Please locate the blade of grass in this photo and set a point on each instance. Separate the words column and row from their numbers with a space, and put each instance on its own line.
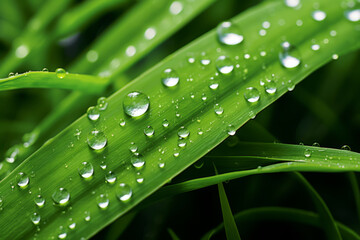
column 251, row 216
column 180, row 110
column 77, row 82
column 172, row 234
column 327, row 221
column 355, row 189
column 120, row 225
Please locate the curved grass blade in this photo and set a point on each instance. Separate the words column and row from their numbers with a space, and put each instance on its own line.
column 355, row 188
column 286, row 215
column 61, row 80
column 173, row 234
column 327, row 221
column 181, row 111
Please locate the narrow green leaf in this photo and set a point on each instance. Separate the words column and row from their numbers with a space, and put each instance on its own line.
column 251, row 216
column 327, row 221
column 355, row 189
column 63, row 80
column 173, row 234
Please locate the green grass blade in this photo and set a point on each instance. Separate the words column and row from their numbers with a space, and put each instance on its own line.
column 173, row 234
column 251, row 216
column 229, row 222
column 327, row 221
column 355, row 189
column 78, row 17
column 77, row 82
column 55, row 164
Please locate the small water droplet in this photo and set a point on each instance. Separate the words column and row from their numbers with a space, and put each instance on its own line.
column 315, row 47
column 270, row 86
column 292, row 3
column 62, row 233
column 22, row 51
column 136, row 104
column 122, row 122
column 170, row 77
column 289, row 56
column 130, row 51
column 110, row 177
column 228, row 34
column 266, row 24
column 353, row 15
column 205, row 61
column 161, row 165
column 35, row 218
column 72, row 225
column 139, row 178
column 252, row 95
column 224, row 65
column 60, row 73
column 316, row 144
column 22, row 180
column 335, row 56
column 45, row 70
column 133, row 148
column 12, row 153
column 318, row 15
column 102, row 103
column 346, row 147
column 150, row 33
column 183, row 132
column 176, row 8
column 96, row 139
column 138, row 161
column 231, row 130
column 307, row 153
column 218, row 109
column 176, row 154
column 93, row 113
column 86, row 170
column 200, row 131
column 87, row 216
column 102, row 201
column 181, row 142
column 39, row 201
column 165, row 123
column 11, row 74
column 123, row 192
column 92, row 56
column 61, row 196
column 149, row 131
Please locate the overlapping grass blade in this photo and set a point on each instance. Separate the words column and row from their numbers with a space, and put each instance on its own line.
column 251, row 216
column 206, row 126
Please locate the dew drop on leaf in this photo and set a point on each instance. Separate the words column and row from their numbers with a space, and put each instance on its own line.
column 86, row 170
column 318, row 15
column 161, row 165
column 61, row 196
column 22, row 180
column 60, row 73
column 231, row 130
column 176, row 7
column 45, row 70
column 270, row 86
column 110, row 177
column 149, row 131
column 12, row 153
column 93, row 113
column 170, row 77
column 181, row 142
column 183, row 132
column 133, row 147
column 62, row 233
column 289, row 56
column 228, row 34
column 122, row 122
column 307, row 153
column 102, row 103
column 136, row 104
column 39, row 201
column 96, row 139
column 346, row 147
column 87, row 216
column 102, row 201
column 123, row 192
column 224, row 65
column 251, row 94
column 35, row 218
column 165, row 123
column 218, row 109
column 292, row 3
column 353, row 15
column 150, row 33
column 137, row 161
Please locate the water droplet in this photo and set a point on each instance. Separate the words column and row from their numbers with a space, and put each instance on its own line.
column 39, row 201
column 60, row 73
column 62, row 233
column 61, row 196
column 92, row 56
column 35, row 218
column 72, row 225
column 123, row 192
column 315, row 47
column 102, row 103
column 29, row 139
column 165, row 123
column 292, row 3
column 138, row 161
column 218, row 109
column 11, row 74
column 318, row 15
column 176, row 154
column 22, row 51
column 110, row 177
column 139, row 178
column 22, row 180
column 214, row 86
column 149, row 131
column 231, row 130
column 200, row 131
column 307, row 153
column 335, row 56
column 183, row 132
column 150, row 33
column 205, row 61
column 228, row 34
column 45, row 70
column 270, row 86
column 346, row 147
column 11, row 154
column 224, row 65
column 266, row 24
column 93, row 113
column 316, row 144
column 252, row 94
column 133, row 148
column 176, row 8
column 289, row 57
column 191, row 60
column 96, row 139
column 86, row 170
column 87, row 216
column 136, row 104
column 181, row 142
column 102, row 201
column 122, row 122
column 161, row 165
column 170, row 78
column 130, row 51
column 353, row 15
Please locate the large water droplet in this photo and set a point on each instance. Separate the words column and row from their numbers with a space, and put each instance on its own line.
column 353, row 15
column 170, row 77
column 60, row 73
column 136, row 104
column 270, row 86
column 138, row 161
column 110, row 177
column 218, row 109
column 176, row 8
column 86, row 170
column 228, row 34
column 39, row 201
column 61, row 196
column 224, row 65
column 93, row 113
column 318, row 15
column 102, row 103
column 292, row 3
column 183, row 132
column 96, row 139
column 289, row 57
column 35, row 218
column 252, row 95
column 102, row 201
column 150, row 33
column 149, row 131
column 307, row 153
column 123, row 192
column 22, row 180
